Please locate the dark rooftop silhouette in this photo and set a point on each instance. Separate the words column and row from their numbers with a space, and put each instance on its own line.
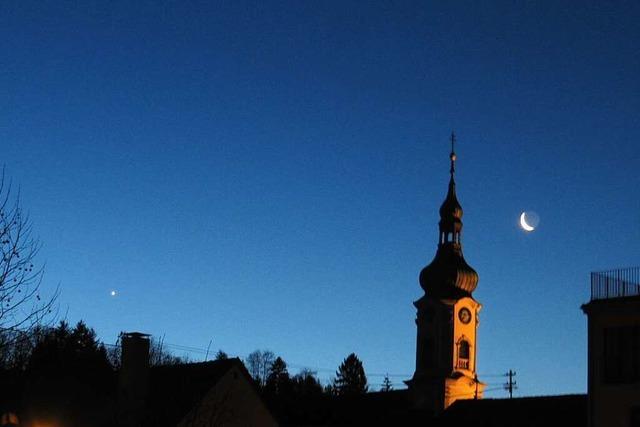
column 548, row 411
column 175, row 389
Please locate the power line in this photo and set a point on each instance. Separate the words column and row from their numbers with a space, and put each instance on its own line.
column 291, row 364
column 316, row 369
column 493, row 389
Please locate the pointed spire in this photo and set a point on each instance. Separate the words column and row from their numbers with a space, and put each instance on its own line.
column 452, row 156
column 449, row 274
column 451, row 211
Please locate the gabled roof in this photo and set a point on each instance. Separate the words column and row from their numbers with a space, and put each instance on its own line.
column 175, row 389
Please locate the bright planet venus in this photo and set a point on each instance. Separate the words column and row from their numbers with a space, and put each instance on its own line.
column 529, row 221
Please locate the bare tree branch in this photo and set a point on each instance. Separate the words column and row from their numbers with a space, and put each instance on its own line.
column 22, row 306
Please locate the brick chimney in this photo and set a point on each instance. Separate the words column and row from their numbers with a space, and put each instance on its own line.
column 133, row 381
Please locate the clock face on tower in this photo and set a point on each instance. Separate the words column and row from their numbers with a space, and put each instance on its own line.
column 464, row 315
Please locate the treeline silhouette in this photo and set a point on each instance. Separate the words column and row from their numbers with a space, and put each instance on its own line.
column 65, row 372
column 59, row 372
column 301, row 398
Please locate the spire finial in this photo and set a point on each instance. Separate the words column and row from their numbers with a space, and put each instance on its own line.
column 452, row 156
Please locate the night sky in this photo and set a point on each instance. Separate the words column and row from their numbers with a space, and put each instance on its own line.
column 268, row 175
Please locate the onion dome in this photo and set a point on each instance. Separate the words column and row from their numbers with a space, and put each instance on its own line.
column 449, row 275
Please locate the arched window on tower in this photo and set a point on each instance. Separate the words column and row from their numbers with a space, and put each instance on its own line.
column 463, row 354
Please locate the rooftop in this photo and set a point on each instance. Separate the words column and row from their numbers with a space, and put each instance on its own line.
column 619, row 283
column 548, row 411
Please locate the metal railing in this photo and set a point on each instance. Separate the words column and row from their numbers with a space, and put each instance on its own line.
column 623, row 282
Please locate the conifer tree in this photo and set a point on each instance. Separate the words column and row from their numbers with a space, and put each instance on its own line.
column 350, row 377
column 278, row 379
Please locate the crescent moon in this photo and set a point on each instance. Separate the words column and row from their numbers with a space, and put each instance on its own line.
column 523, row 223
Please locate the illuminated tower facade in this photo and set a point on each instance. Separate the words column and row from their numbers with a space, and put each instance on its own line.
column 447, row 317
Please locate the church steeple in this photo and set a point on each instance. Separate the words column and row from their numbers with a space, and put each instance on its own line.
column 447, row 317
column 449, row 275
column 451, row 211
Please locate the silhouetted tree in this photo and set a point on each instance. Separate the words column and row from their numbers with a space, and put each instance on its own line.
column 17, row 347
column 65, row 349
column 258, row 364
column 254, row 364
column 350, row 377
column 330, row 389
column 69, row 374
column 278, row 381
column 306, row 384
column 114, row 354
column 159, row 355
column 221, row 355
column 295, row 400
column 21, row 304
column 386, row 384
column 267, row 360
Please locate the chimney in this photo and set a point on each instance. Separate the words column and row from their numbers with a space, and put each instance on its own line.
column 133, row 381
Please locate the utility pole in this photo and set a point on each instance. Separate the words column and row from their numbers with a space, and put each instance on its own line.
column 511, row 384
column 207, row 354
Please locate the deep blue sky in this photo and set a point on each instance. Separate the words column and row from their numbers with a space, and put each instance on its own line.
column 268, row 174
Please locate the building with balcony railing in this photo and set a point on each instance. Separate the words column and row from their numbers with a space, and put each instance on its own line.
column 614, row 348
column 619, row 283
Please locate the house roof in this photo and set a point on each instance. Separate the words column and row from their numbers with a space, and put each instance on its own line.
column 376, row 408
column 393, row 408
column 548, row 411
column 175, row 389
column 617, row 305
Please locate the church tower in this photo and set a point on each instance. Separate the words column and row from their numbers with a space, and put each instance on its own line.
column 447, row 317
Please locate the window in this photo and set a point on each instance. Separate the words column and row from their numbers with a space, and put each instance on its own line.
column 621, row 354
column 463, row 354
column 464, row 350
